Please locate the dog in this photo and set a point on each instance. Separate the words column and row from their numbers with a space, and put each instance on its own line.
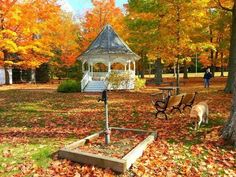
column 199, row 113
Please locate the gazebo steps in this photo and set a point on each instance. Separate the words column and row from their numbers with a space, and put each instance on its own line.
column 95, row 86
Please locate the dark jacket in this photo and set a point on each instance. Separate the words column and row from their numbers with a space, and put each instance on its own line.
column 207, row 75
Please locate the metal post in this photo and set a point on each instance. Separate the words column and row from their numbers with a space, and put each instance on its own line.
column 107, row 132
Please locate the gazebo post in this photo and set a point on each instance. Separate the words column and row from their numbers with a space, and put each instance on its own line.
column 129, row 65
column 91, row 71
column 83, row 67
column 109, row 67
column 134, row 67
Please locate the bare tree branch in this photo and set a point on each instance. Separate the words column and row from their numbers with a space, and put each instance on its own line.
column 222, row 7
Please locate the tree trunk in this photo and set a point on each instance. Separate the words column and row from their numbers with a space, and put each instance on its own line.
column 5, row 54
column 174, row 67
column 212, row 54
column 143, row 64
column 33, row 78
column 21, row 79
column 213, row 70
column 222, row 64
column 177, row 77
column 185, row 70
column 158, row 74
column 178, row 47
column 7, row 76
column 213, row 65
column 232, row 54
column 142, row 74
column 229, row 130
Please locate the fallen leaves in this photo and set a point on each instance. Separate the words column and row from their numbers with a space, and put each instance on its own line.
column 52, row 120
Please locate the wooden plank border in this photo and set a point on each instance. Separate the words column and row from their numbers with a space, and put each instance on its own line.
column 137, row 152
column 118, row 165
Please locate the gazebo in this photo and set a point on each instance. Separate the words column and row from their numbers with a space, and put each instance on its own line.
column 107, row 54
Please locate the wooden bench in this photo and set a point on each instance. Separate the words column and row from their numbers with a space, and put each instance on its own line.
column 188, row 100
column 170, row 102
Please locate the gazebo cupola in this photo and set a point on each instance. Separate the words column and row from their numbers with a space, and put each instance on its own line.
column 107, row 53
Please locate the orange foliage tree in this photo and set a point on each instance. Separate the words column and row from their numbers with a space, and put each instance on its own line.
column 32, row 30
column 173, row 22
column 103, row 12
column 7, row 36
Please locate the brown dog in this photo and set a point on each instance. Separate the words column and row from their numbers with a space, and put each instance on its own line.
column 199, row 113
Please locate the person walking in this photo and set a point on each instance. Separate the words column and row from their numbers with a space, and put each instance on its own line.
column 207, row 77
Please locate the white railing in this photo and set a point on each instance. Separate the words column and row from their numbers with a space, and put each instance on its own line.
column 103, row 76
column 85, row 80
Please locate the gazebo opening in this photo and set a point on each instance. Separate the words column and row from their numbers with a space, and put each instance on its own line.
column 99, row 71
column 86, row 66
column 100, row 67
column 118, row 66
column 132, row 66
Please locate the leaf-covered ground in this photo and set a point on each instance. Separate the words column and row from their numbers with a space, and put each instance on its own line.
column 36, row 121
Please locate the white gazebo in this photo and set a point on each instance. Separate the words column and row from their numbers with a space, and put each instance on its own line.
column 107, row 53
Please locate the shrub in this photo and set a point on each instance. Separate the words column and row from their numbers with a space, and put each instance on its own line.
column 69, row 86
column 139, row 83
column 117, row 80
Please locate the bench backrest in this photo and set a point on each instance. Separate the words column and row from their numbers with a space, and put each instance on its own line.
column 174, row 100
column 189, row 98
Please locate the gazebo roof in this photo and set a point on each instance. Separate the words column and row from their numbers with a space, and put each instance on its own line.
column 108, row 45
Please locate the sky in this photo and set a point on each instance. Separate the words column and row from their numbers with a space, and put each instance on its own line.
column 81, row 6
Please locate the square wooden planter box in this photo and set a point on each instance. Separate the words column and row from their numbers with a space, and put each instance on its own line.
column 116, row 164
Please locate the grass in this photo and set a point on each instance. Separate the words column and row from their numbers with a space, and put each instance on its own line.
column 38, row 152
column 1, row 110
column 21, row 154
column 43, row 156
column 219, row 121
column 28, row 107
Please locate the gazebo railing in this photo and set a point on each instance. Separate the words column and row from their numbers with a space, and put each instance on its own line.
column 85, row 80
